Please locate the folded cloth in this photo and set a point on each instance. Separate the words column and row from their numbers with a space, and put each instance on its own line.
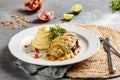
column 52, row 71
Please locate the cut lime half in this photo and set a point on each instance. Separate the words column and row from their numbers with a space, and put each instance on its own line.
column 68, row 16
column 76, row 8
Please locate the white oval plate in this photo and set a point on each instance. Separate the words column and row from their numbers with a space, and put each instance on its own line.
column 88, row 41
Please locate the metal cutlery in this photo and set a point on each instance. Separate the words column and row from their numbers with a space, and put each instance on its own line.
column 107, row 47
column 109, row 52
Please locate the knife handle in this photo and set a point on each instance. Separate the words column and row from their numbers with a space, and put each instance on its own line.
column 111, row 63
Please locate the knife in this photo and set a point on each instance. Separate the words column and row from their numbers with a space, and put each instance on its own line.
column 110, row 59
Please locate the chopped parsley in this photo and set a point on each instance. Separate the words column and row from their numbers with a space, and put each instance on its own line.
column 56, row 31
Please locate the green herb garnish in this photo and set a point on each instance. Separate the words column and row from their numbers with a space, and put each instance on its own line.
column 115, row 5
column 56, row 31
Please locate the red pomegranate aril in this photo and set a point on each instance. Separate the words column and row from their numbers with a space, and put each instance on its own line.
column 26, row 46
column 37, row 50
column 75, row 53
column 56, row 58
column 48, row 55
column 37, row 55
column 78, row 46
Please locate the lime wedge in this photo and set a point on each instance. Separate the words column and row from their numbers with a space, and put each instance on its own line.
column 76, row 8
column 68, row 16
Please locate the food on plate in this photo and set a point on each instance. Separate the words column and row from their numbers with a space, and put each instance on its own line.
column 56, row 31
column 45, row 16
column 76, row 8
column 64, row 47
column 41, row 39
column 33, row 5
column 68, row 16
column 59, row 44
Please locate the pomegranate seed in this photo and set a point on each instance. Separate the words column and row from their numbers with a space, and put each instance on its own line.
column 75, row 53
column 26, row 46
column 78, row 46
column 36, row 50
column 37, row 55
column 56, row 58
column 48, row 55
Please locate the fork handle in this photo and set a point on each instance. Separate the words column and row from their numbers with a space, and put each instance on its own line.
column 111, row 63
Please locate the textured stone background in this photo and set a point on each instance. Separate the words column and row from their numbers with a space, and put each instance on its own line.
column 91, row 8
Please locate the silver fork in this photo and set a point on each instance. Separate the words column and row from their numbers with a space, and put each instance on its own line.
column 112, row 68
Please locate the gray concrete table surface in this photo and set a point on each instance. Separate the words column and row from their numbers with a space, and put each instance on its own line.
column 91, row 8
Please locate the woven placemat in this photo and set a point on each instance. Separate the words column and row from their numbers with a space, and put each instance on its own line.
column 97, row 65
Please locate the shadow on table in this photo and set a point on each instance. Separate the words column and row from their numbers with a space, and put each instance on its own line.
column 25, row 12
column 6, row 65
column 38, row 21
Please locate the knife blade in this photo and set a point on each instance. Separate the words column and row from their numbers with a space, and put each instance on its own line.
column 109, row 53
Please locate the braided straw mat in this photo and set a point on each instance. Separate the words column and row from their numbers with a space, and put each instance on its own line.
column 97, row 65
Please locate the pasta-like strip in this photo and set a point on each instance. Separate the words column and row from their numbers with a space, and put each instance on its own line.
column 61, row 47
